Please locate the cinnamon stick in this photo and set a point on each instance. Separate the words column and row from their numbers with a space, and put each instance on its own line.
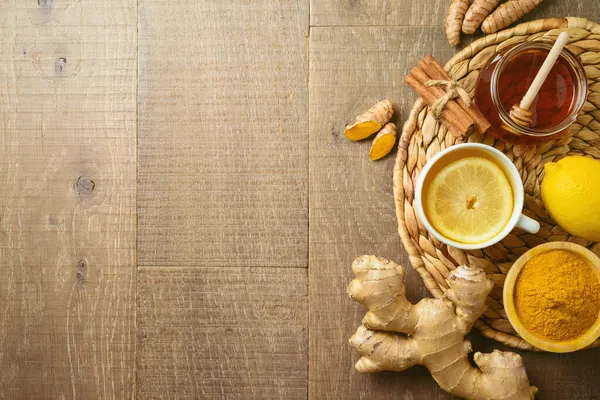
column 458, row 122
column 456, row 115
column 439, row 73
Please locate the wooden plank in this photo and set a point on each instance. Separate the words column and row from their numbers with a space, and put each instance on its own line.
column 351, row 201
column 67, row 199
column 424, row 12
column 377, row 13
column 223, row 133
column 222, row 333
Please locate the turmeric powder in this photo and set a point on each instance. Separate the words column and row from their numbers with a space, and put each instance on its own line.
column 557, row 295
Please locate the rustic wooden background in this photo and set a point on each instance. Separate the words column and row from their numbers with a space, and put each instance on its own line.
column 179, row 208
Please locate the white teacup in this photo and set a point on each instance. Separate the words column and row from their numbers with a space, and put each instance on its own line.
column 517, row 219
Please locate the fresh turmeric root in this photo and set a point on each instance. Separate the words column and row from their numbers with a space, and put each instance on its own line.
column 454, row 20
column 371, row 121
column 396, row 334
column 508, row 13
column 477, row 13
column 384, row 142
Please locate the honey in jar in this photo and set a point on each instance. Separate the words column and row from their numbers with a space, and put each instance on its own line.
column 508, row 75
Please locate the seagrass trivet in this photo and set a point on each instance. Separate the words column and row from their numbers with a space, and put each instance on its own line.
column 423, row 137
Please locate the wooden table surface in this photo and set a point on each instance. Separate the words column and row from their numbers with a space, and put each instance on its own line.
column 179, row 208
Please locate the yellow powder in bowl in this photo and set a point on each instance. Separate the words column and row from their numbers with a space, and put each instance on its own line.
column 557, row 295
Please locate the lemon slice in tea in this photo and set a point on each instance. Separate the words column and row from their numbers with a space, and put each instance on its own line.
column 469, row 200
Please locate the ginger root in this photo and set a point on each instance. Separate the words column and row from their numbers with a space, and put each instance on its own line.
column 508, row 13
column 371, row 121
column 454, row 20
column 477, row 13
column 396, row 334
column 384, row 142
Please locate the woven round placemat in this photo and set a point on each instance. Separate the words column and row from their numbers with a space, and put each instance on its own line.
column 423, row 137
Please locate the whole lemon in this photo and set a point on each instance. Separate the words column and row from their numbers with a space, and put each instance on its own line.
column 571, row 194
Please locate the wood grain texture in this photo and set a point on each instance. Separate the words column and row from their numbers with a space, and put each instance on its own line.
column 67, row 199
column 224, row 179
column 222, row 333
column 425, row 12
column 351, row 201
column 377, row 12
column 223, row 133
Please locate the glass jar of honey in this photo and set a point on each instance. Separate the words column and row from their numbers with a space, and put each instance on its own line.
column 504, row 80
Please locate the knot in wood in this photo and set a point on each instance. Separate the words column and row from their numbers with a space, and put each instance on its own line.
column 60, row 66
column 85, row 185
column 81, row 270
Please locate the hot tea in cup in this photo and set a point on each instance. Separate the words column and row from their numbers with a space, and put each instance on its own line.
column 470, row 196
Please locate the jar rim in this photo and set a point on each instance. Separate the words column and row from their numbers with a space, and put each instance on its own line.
column 581, row 92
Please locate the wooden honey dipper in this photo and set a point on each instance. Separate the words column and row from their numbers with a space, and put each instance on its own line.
column 520, row 113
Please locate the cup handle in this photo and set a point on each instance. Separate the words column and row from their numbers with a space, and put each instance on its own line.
column 528, row 224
